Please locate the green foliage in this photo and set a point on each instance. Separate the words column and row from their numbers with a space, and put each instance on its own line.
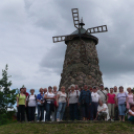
column 7, row 97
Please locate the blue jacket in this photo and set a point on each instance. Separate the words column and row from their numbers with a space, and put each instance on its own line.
column 85, row 96
column 40, row 97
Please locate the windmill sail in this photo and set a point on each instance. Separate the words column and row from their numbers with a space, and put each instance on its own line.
column 98, row 29
column 61, row 38
column 75, row 14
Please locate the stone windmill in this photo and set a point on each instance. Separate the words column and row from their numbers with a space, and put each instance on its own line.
column 81, row 64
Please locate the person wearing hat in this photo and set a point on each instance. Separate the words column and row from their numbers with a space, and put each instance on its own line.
column 31, row 103
column 95, row 100
column 103, row 93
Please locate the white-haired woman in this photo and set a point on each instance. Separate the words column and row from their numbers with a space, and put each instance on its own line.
column 31, row 101
column 73, row 102
column 62, row 100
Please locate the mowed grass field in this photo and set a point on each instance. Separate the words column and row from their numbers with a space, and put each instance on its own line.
column 68, row 128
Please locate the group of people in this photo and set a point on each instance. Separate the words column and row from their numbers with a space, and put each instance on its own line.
column 87, row 103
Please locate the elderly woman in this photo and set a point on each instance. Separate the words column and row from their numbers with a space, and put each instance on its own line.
column 121, row 99
column 85, row 101
column 40, row 105
column 61, row 102
column 102, row 109
column 21, row 104
column 50, row 97
column 31, row 102
column 73, row 102
column 130, row 99
column 111, row 103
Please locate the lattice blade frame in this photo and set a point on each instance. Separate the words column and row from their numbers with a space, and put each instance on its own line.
column 98, row 29
column 75, row 15
column 61, row 38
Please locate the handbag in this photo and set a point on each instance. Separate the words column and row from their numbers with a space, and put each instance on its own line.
column 55, row 104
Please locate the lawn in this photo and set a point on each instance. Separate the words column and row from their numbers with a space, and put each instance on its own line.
column 68, row 128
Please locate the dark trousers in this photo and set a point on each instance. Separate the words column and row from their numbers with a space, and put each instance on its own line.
column 21, row 113
column 31, row 112
column 73, row 111
column 116, row 114
column 93, row 113
column 27, row 114
column 85, row 110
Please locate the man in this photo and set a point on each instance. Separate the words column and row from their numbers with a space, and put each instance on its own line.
column 115, row 90
column 116, row 115
column 26, row 108
column 103, row 93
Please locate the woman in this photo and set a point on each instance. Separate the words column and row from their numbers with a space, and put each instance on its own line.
column 55, row 104
column 50, row 97
column 31, row 101
column 102, row 113
column 73, row 103
column 62, row 100
column 131, row 114
column 111, row 103
column 21, row 104
column 95, row 100
column 130, row 99
column 121, row 101
column 85, row 101
column 40, row 105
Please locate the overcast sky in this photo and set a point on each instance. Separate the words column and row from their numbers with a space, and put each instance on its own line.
column 27, row 27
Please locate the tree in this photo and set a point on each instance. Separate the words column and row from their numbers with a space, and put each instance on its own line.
column 8, row 96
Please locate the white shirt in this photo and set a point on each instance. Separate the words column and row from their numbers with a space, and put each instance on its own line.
column 130, row 112
column 31, row 101
column 51, row 95
column 62, row 97
column 73, row 97
column 95, row 97
column 102, row 107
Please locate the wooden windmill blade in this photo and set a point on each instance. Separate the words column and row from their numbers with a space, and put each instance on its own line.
column 75, row 15
column 61, row 38
column 98, row 29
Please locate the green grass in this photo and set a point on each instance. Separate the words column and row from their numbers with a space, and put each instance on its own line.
column 68, row 128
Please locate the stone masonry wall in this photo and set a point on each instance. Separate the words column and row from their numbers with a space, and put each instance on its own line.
column 81, row 64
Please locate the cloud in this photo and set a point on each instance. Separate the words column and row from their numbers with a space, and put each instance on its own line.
column 26, row 31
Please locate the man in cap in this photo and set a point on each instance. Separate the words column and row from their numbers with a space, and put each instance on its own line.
column 103, row 93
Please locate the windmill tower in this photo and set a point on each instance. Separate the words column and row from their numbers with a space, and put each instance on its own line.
column 81, row 64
